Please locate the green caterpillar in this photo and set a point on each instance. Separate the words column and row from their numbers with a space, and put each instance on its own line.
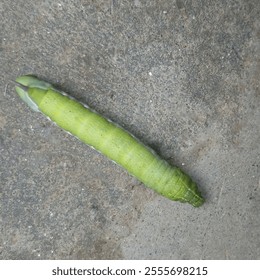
column 109, row 139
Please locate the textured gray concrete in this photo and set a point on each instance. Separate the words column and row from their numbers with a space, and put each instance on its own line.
column 181, row 75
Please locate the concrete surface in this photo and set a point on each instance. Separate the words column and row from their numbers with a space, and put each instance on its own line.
column 183, row 76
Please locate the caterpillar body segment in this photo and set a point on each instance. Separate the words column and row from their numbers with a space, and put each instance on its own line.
column 109, row 139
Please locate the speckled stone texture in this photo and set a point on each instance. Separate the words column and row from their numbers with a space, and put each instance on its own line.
column 183, row 76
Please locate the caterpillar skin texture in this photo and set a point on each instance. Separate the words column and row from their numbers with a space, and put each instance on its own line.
column 109, row 139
